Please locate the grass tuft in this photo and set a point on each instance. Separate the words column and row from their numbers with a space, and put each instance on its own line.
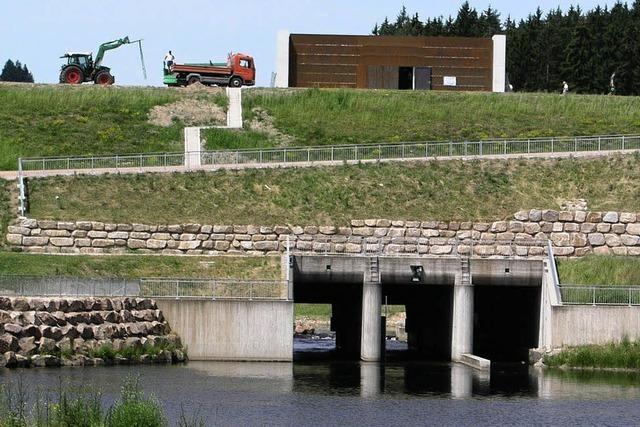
column 624, row 355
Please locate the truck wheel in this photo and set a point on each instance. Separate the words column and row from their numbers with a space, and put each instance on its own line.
column 72, row 75
column 104, row 78
column 235, row 82
column 193, row 80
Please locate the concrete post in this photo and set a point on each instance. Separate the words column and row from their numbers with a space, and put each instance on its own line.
column 461, row 382
column 499, row 63
column 370, row 379
column 234, row 111
column 282, row 59
column 192, row 148
column 370, row 339
column 462, row 333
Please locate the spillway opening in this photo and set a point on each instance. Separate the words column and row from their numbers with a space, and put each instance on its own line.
column 506, row 322
column 429, row 314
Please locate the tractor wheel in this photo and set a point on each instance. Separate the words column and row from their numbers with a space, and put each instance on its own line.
column 235, row 82
column 193, row 80
column 103, row 78
column 72, row 75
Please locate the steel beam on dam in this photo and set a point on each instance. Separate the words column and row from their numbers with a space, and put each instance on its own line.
column 455, row 306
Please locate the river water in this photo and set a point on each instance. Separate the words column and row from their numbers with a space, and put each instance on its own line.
column 330, row 392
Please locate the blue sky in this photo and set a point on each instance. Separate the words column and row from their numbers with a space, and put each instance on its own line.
column 37, row 32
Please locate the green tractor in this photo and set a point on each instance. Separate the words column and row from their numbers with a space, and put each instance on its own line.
column 81, row 67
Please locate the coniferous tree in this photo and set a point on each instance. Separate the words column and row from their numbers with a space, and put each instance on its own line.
column 584, row 49
column 15, row 72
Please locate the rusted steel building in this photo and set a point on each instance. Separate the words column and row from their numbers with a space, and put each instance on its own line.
column 391, row 62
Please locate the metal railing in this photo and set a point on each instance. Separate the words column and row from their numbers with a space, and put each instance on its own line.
column 219, row 289
column 126, row 161
column 600, row 295
column 342, row 153
column 58, row 286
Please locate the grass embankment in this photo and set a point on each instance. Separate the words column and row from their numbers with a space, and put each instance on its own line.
column 133, row 267
column 334, row 116
column 38, row 120
column 625, row 355
column 451, row 190
column 600, row 271
column 73, row 407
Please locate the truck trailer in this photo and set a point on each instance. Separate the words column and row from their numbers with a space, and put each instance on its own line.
column 238, row 71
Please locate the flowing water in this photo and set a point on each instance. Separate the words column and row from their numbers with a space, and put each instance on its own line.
column 332, row 392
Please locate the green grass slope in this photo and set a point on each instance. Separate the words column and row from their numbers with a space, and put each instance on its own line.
column 446, row 190
column 136, row 266
column 61, row 120
column 5, row 210
column 317, row 117
column 600, row 271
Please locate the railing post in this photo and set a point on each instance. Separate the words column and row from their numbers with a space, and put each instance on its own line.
column 481, row 147
column 466, row 144
column 403, row 153
column 575, row 144
column 426, row 150
column 552, row 147
column 332, row 153
column 177, row 289
column 284, row 156
column 450, row 148
column 308, row 155
column 356, row 153
column 599, row 143
column 630, row 298
column 505, row 147
column 528, row 146
column 623, row 142
column 379, row 152
column 594, row 296
column 260, row 155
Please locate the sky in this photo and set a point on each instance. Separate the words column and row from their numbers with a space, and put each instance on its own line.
column 38, row 32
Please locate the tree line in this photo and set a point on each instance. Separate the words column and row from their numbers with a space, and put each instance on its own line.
column 15, row 72
column 585, row 49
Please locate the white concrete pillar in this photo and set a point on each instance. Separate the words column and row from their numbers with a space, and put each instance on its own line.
column 461, row 382
column 234, row 111
column 499, row 63
column 371, row 337
column 282, row 59
column 462, row 333
column 192, row 148
column 370, row 379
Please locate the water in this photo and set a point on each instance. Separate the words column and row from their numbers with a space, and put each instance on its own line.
column 323, row 392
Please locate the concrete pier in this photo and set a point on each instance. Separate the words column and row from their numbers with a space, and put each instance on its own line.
column 462, row 333
column 371, row 337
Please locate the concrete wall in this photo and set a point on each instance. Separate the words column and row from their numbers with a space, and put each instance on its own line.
column 573, row 233
column 232, row 330
column 582, row 325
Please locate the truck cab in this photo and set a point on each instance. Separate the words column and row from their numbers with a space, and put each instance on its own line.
column 243, row 66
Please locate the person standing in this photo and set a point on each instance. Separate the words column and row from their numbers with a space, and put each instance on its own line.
column 168, row 60
column 565, row 88
column 612, row 84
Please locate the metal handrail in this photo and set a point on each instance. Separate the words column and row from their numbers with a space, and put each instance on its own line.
column 176, row 288
column 600, row 295
column 342, row 153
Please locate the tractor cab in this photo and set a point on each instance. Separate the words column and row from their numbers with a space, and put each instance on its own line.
column 82, row 60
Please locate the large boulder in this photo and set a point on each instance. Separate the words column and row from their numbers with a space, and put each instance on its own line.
column 47, row 346
column 21, row 304
column 27, row 346
column 8, row 343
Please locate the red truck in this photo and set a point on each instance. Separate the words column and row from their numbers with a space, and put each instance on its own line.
column 238, row 71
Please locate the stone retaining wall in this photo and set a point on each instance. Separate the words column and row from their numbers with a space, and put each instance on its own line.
column 573, row 233
column 51, row 332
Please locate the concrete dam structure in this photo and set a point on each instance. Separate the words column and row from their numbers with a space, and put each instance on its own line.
column 454, row 306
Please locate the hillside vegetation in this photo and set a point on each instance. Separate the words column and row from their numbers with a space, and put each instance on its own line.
column 600, row 270
column 328, row 116
column 133, row 267
column 56, row 120
column 446, row 190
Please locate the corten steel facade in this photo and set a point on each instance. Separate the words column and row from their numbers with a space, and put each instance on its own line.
column 391, row 62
